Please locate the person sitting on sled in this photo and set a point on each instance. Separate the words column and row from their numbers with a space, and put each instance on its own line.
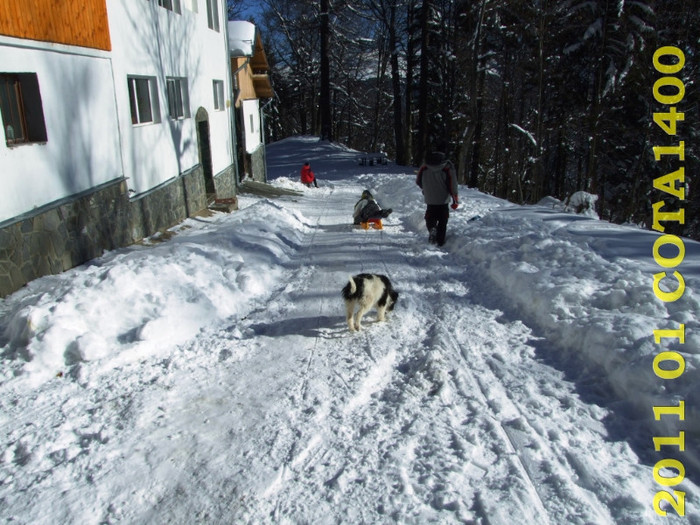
column 307, row 176
column 367, row 210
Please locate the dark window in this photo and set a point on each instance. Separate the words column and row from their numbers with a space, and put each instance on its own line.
column 21, row 108
column 143, row 100
column 178, row 99
column 172, row 5
column 213, row 14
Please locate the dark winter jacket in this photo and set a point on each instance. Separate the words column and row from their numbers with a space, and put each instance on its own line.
column 366, row 209
column 438, row 182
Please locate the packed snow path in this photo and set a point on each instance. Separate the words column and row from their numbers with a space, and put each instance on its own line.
column 240, row 396
column 407, row 421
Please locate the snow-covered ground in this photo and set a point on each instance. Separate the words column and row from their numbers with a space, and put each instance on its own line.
column 209, row 376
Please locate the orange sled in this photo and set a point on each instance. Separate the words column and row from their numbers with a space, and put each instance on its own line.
column 376, row 224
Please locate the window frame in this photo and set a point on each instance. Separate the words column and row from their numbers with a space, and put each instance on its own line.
column 213, row 15
column 20, row 96
column 219, row 98
column 135, row 86
column 178, row 98
column 171, row 5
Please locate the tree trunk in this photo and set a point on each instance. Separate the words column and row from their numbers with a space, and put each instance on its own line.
column 325, row 96
column 538, row 168
column 399, row 137
column 410, row 62
column 596, row 185
column 467, row 152
column 422, row 141
column 476, row 139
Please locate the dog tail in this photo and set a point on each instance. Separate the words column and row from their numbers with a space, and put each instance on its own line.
column 349, row 289
column 353, row 286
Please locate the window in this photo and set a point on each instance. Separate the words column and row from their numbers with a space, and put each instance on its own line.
column 21, row 108
column 178, row 98
column 213, row 14
column 143, row 99
column 171, row 5
column 219, row 104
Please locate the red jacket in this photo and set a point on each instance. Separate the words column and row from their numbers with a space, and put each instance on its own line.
column 307, row 176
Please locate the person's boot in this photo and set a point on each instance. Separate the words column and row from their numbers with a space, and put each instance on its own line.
column 432, row 236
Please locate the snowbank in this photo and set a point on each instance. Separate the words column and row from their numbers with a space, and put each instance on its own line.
column 586, row 285
column 139, row 302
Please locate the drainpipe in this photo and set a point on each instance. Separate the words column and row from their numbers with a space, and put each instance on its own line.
column 262, row 129
column 233, row 117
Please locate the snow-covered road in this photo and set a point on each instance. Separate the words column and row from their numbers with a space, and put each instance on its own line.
column 211, row 378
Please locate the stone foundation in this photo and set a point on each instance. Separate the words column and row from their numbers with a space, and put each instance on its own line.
column 225, row 183
column 71, row 232
column 257, row 165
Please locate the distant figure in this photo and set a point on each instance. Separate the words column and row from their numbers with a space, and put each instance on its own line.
column 438, row 180
column 307, row 176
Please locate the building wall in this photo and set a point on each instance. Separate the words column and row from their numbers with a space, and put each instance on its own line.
column 100, row 182
column 150, row 41
column 226, row 184
column 82, row 150
column 66, row 234
column 251, row 122
column 168, row 205
column 257, row 165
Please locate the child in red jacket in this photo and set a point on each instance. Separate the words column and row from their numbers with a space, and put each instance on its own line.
column 307, row 176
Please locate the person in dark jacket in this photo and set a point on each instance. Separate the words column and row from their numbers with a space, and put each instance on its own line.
column 367, row 209
column 438, row 180
column 307, row 176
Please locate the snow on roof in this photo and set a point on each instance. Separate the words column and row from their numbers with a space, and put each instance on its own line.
column 241, row 38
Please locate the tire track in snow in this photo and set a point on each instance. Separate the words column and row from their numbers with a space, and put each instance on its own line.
column 350, row 439
column 541, row 512
column 522, row 441
column 446, row 437
column 320, row 434
column 304, row 448
column 517, row 435
column 305, row 259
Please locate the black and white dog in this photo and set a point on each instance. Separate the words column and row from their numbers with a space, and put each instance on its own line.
column 365, row 291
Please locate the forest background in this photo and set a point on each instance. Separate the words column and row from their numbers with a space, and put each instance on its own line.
column 528, row 98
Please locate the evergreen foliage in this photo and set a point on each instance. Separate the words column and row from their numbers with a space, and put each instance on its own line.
column 530, row 99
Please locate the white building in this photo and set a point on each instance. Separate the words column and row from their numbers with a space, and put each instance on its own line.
column 117, row 122
column 251, row 85
column 171, row 72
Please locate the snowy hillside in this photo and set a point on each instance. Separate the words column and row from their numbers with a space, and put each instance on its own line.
column 209, row 376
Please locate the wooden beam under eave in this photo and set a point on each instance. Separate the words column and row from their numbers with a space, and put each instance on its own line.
column 263, row 88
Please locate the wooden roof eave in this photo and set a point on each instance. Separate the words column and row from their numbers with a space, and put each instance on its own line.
column 262, row 85
column 259, row 58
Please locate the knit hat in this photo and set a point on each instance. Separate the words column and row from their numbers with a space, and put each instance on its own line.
column 434, row 158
